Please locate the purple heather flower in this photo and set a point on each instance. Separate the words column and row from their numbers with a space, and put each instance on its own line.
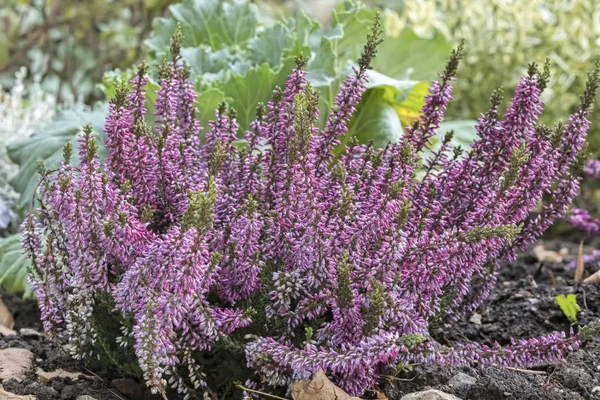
column 302, row 260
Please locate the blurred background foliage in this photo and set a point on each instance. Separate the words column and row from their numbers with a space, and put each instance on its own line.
column 69, row 44
column 61, row 59
column 502, row 36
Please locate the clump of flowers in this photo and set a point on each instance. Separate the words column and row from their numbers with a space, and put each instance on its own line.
column 279, row 251
column 582, row 219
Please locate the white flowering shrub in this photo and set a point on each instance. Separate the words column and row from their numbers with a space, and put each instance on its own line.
column 22, row 111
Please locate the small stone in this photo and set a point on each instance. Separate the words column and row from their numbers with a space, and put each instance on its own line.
column 523, row 294
column 462, row 383
column 475, row 319
column 58, row 385
column 46, row 393
column 533, row 301
column 85, row 397
column 507, row 394
column 15, row 363
column 596, row 389
column 130, row 388
column 30, row 333
column 430, row 394
column 6, row 395
column 71, row 392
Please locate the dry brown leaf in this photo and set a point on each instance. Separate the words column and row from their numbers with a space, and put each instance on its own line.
column 318, row 388
column 15, row 363
column 579, row 268
column 6, row 318
column 544, row 254
column 4, row 331
column 4, row 395
column 380, row 396
column 594, row 278
column 59, row 373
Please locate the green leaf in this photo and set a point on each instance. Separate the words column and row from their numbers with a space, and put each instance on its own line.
column 376, row 119
column 14, row 266
column 47, row 146
column 410, row 102
column 464, row 132
column 410, row 55
column 387, row 106
column 215, row 23
column 322, row 66
column 208, row 101
column 211, row 66
column 246, row 92
column 305, row 30
column 568, row 304
column 352, row 21
column 160, row 37
column 270, row 45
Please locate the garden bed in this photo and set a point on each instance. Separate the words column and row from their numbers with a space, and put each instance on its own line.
column 522, row 305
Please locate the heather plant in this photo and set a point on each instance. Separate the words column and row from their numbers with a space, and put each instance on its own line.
column 282, row 254
column 235, row 56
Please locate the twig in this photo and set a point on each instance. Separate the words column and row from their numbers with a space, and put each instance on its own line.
column 261, row 393
column 526, row 371
column 398, row 379
column 115, row 394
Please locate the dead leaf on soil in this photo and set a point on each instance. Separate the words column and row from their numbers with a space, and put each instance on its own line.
column 6, row 318
column 4, row 331
column 380, row 396
column 579, row 268
column 318, row 388
column 594, row 278
column 543, row 254
column 15, row 363
column 4, row 395
column 59, row 373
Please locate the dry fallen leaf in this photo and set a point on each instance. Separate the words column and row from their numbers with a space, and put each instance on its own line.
column 59, row 373
column 4, row 331
column 15, row 363
column 579, row 268
column 6, row 318
column 380, row 396
column 594, row 278
column 544, row 254
column 4, row 395
column 318, row 388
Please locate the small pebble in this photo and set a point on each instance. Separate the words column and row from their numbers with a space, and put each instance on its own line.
column 30, row 333
column 475, row 319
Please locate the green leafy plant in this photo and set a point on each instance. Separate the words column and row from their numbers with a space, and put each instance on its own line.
column 568, row 305
column 14, row 266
